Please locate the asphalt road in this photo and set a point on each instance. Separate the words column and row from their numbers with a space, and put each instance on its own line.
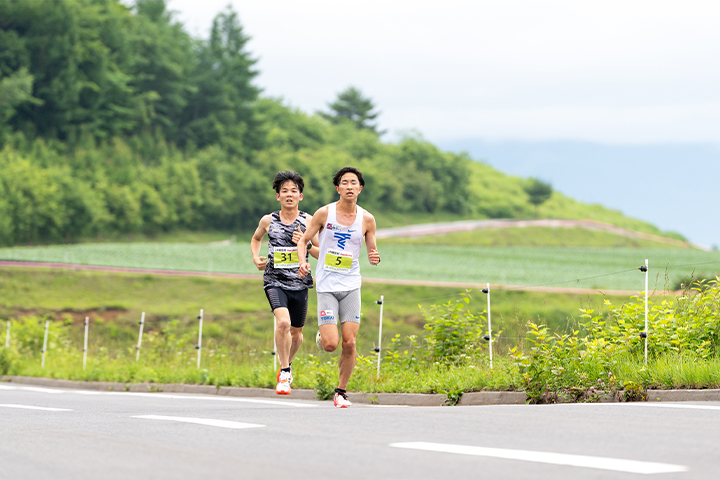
column 74, row 434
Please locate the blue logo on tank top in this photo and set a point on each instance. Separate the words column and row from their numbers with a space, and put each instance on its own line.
column 341, row 238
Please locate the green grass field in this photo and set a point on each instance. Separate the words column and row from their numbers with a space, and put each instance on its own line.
column 529, row 237
column 237, row 316
column 582, row 267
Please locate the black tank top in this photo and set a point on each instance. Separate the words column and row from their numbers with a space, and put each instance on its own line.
column 280, row 236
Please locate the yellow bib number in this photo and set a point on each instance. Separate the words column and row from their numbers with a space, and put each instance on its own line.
column 286, row 257
column 338, row 261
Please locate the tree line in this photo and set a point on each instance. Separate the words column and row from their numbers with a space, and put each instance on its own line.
column 113, row 119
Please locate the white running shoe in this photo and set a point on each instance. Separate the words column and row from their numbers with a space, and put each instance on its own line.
column 283, row 386
column 318, row 342
column 280, row 370
column 340, row 400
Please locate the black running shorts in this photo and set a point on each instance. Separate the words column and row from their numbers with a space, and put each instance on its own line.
column 296, row 301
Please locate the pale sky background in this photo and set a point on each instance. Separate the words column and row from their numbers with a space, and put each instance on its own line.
column 561, row 90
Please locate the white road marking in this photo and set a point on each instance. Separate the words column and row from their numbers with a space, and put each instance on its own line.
column 602, row 463
column 381, row 406
column 681, row 405
column 690, row 406
column 165, row 395
column 31, row 407
column 37, row 389
column 201, row 421
column 197, row 397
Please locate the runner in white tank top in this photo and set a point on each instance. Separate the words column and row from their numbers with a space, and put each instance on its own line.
column 342, row 227
column 338, row 267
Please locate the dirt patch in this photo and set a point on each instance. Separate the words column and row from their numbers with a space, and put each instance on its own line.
column 77, row 316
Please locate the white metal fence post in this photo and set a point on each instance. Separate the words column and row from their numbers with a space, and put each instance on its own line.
column 199, row 345
column 44, row 350
column 7, row 335
column 87, row 323
column 646, row 308
column 488, row 337
column 142, row 322
column 378, row 349
column 490, row 342
column 274, row 350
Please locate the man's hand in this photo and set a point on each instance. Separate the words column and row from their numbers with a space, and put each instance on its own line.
column 374, row 256
column 304, row 269
column 297, row 235
column 260, row 262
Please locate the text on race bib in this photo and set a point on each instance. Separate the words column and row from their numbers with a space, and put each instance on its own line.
column 286, row 257
column 338, row 261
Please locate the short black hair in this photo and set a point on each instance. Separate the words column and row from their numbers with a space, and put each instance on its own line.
column 288, row 176
column 343, row 171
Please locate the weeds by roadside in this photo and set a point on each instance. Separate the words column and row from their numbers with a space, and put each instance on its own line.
column 602, row 358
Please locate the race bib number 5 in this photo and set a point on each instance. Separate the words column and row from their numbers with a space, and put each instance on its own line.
column 338, row 261
column 286, row 257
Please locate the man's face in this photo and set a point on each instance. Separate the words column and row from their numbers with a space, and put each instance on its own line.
column 349, row 186
column 289, row 195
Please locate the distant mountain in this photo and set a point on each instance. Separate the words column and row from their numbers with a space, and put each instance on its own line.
column 674, row 186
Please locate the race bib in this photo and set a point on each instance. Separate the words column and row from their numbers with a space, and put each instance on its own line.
column 338, row 261
column 286, row 257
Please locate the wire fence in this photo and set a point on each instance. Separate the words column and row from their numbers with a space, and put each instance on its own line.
column 646, row 269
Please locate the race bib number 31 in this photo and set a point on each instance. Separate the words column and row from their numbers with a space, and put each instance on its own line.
column 286, row 257
column 338, row 261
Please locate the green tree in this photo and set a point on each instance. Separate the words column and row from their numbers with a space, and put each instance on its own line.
column 538, row 192
column 352, row 106
column 15, row 90
column 163, row 62
column 221, row 110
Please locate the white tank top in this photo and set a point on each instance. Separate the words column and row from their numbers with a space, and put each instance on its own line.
column 338, row 266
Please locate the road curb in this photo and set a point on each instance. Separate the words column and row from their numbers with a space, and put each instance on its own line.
column 705, row 395
column 407, row 399
column 493, row 398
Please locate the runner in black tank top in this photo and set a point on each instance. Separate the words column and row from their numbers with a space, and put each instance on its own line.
column 285, row 290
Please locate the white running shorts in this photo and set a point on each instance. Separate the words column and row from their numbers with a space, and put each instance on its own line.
column 342, row 305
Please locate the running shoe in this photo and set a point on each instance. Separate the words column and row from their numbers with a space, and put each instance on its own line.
column 278, row 374
column 283, row 386
column 318, row 342
column 340, row 400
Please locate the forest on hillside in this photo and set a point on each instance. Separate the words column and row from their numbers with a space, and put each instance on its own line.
column 114, row 119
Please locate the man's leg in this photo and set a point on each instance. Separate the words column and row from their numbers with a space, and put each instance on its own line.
column 296, row 335
column 329, row 337
column 279, row 304
column 349, row 352
column 328, row 312
column 349, row 313
column 283, row 340
column 297, row 308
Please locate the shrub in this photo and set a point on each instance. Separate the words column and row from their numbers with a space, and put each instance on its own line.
column 578, row 366
column 454, row 334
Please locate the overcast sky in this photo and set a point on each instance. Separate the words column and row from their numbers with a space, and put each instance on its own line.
column 605, row 71
column 518, row 83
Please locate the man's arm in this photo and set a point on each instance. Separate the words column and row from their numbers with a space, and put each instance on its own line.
column 316, row 224
column 315, row 249
column 256, row 242
column 370, row 242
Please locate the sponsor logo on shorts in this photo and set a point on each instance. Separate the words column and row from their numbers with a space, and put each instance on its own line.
column 326, row 315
